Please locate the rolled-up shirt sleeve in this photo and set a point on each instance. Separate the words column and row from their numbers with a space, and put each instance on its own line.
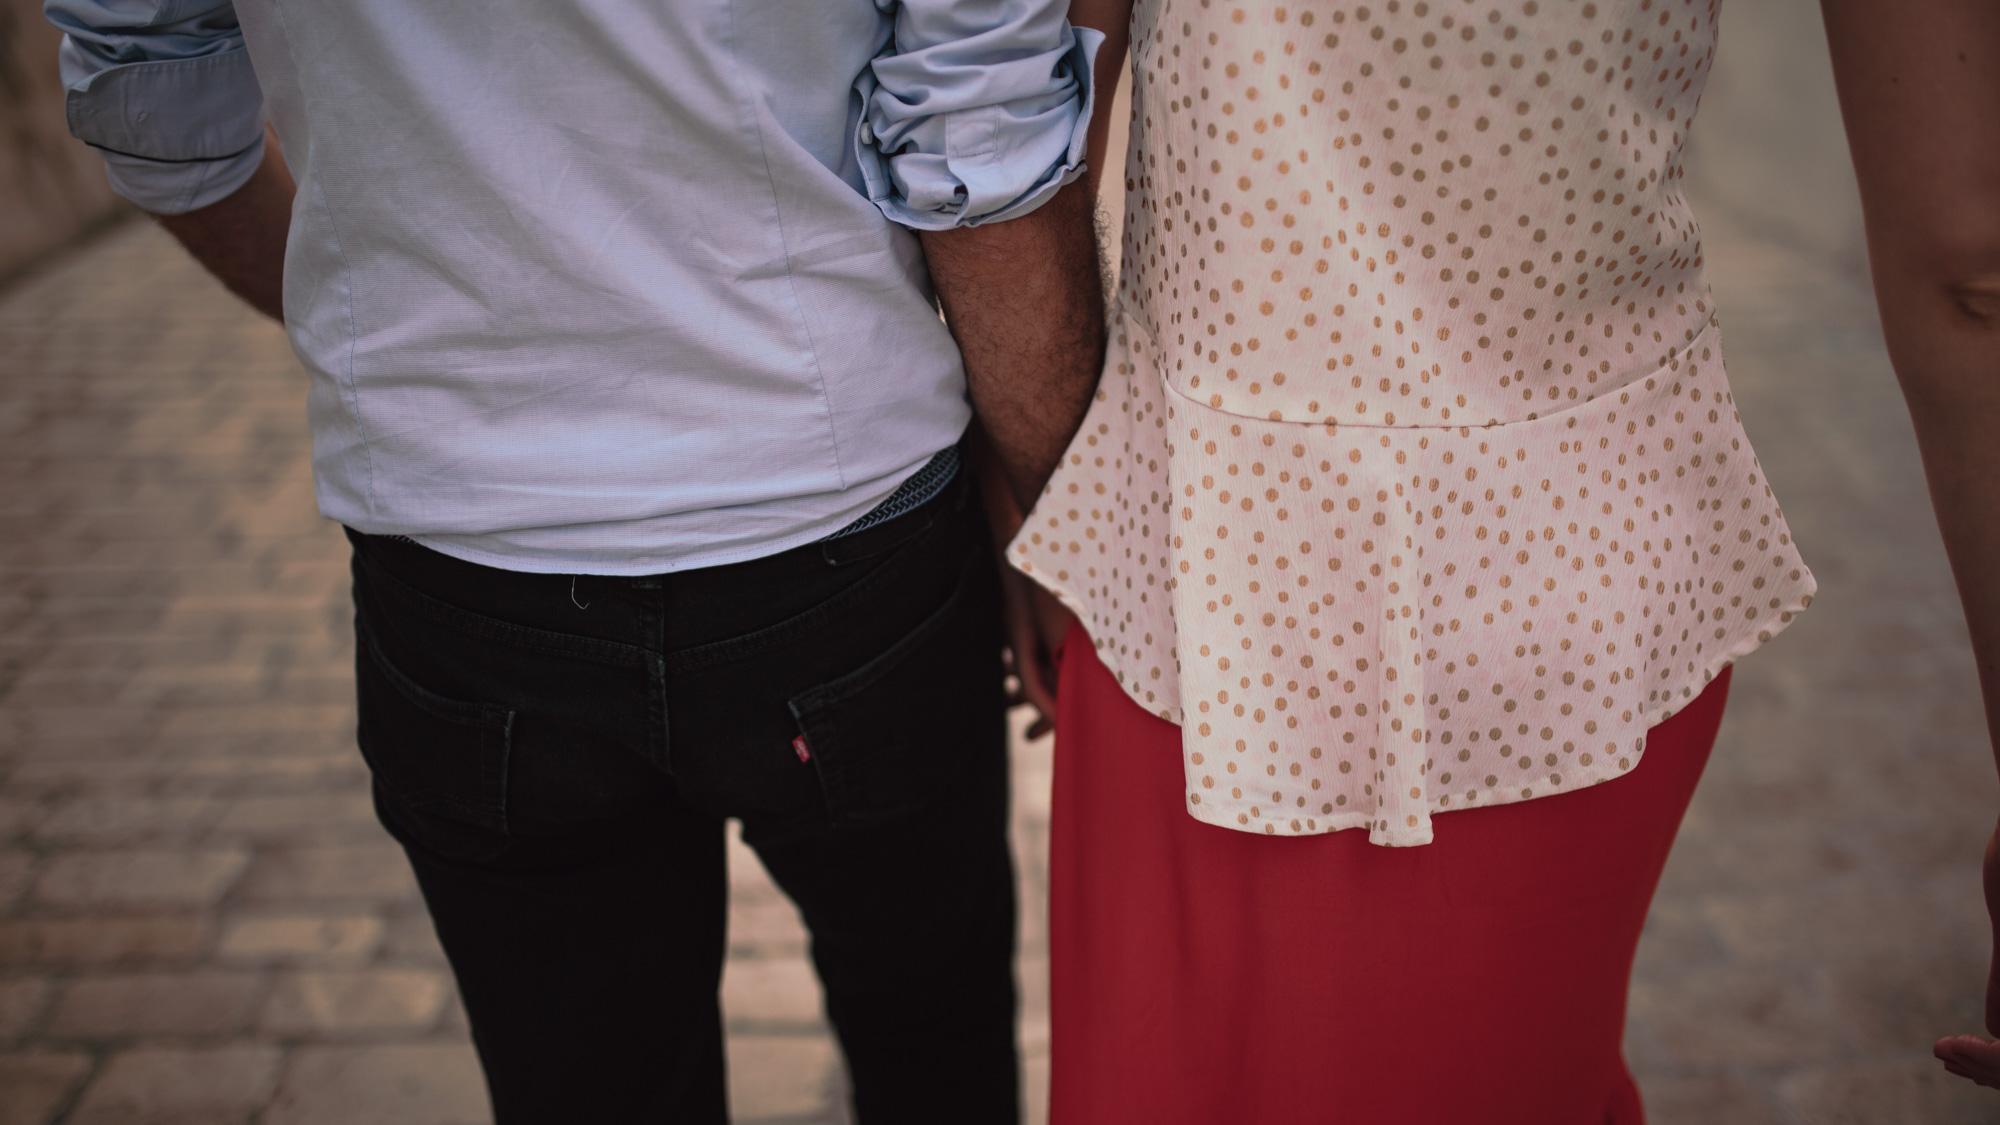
column 164, row 90
column 976, row 111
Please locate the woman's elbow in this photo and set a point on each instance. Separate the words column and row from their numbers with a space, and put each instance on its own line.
column 1974, row 299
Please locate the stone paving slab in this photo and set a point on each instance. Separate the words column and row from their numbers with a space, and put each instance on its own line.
column 200, row 922
column 201, row 1084
column 35, row 1084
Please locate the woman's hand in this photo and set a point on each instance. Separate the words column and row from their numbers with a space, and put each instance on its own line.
column 1971, row 1056
column 1974, row 1056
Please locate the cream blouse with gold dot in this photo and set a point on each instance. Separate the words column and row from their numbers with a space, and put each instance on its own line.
column 1414, row 482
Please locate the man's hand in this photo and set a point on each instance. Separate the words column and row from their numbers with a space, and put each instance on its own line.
column 241, row 237
column 1037, row 625
column 1025, row 301
column 1035, row 621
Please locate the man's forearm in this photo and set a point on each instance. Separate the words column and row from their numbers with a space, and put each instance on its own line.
column 241, row 238
column 1025, row 301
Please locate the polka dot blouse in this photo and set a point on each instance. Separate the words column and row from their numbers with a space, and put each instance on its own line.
column 1414, row 482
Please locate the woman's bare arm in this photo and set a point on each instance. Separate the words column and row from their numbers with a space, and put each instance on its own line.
column 1920, row 91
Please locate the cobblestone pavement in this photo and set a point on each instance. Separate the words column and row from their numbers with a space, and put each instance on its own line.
column 200, row 921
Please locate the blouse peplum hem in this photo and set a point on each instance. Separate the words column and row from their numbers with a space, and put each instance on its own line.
column 1366, row 626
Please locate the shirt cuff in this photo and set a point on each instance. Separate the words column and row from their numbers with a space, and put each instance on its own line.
column 163, row 187
column 941, row 150
column 176, row 135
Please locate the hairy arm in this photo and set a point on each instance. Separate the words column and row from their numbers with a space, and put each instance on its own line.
column 1918, row 85
column 974, row 133
column 1024, row 301
column 240, row 238
column 1063, row 333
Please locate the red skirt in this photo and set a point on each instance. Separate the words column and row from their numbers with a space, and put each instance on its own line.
column 1203, row 976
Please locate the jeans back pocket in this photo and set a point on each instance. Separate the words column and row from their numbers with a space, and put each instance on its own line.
column 892, row 736
column 439, row 764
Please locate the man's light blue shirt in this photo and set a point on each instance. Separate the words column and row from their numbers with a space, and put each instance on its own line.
column 606, row 286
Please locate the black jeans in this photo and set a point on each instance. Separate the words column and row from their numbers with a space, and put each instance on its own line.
column 557, row 755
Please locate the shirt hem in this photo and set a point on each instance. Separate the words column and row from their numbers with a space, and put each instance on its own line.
column 652, row 563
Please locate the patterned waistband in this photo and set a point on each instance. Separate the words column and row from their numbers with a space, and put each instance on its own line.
column 924, row 484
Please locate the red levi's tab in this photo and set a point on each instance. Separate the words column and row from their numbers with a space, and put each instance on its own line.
column 800, row 748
